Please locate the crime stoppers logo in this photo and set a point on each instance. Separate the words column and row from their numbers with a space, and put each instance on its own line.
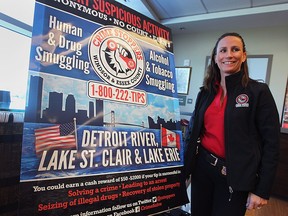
column 116, row 57
column 242, row 101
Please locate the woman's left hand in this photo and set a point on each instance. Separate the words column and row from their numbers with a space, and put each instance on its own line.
column 255, row 202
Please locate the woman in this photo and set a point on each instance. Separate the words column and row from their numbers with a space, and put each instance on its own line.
column 233, row 142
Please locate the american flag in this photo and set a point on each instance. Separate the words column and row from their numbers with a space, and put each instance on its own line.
column 169, row 138
column 55, row 137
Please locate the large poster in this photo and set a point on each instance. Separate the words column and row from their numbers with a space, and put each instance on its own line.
column 102, row 129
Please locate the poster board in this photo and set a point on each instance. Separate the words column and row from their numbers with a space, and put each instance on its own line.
column 183, row 76
column 260, row 67
column 284, row 119
column 102, row 131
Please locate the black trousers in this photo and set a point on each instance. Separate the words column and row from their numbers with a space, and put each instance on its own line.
column 210, row 192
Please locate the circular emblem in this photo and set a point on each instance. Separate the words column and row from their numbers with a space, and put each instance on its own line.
column 242, row 99
column 116, row 57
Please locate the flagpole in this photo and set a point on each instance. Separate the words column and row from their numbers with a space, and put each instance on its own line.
column 75, row 126
column 161, row 135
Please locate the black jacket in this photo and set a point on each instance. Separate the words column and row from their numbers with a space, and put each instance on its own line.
column 252, row 131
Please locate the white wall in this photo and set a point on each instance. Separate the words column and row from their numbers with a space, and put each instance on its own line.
column 15, row 30
column 261, row 41
column 19, row 10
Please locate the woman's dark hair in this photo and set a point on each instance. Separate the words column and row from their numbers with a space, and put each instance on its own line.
column 213, row 75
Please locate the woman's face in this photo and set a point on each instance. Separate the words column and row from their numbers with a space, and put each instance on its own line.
column 230, row 55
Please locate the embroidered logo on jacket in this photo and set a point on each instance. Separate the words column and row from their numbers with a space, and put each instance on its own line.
column 242, row 101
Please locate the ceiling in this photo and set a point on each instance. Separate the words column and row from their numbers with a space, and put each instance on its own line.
column 188, row 16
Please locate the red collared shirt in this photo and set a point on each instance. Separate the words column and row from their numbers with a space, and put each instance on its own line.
column 213, row 137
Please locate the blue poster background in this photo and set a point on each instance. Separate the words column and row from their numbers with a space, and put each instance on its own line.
column 109, row 73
